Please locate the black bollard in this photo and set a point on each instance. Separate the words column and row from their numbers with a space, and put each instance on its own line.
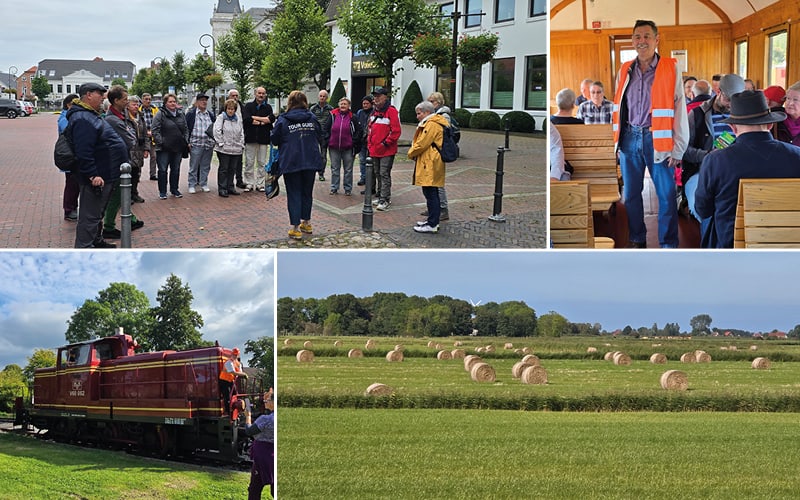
column 497, row 215
column 366, row 212
column 508, row 129
column 125, row 204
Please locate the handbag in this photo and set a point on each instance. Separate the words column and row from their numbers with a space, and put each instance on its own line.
column 210, row 130
column 272, row 168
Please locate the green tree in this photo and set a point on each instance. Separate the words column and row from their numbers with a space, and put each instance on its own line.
column 516, row 319
column 700, row 324
column 332, row 324
column 41, row 358
column 197, row 71
column 179, row 70
column 121, row 304
column 385, row 30
column 241, row 52
column 145, row 82
column 263, row 358
column 412, row 97
column 176, row 323
column 40, row 87
column 299, row 47
column 119, row 81
column 551, row 324
column 338, row 92
column 165, row 76
column 12, row 384
column 486, row 319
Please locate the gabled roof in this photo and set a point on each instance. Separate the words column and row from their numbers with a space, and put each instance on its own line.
column 97, row 66
column 228, row 7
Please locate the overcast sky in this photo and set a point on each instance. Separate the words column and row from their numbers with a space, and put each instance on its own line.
column 39, row 292
column 137, row 31
column 755, row 291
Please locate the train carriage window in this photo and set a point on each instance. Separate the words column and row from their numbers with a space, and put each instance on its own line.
column 776, row 58
column 741, row 58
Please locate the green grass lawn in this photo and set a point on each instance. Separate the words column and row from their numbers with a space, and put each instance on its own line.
column 465, row 454
column 35, row 469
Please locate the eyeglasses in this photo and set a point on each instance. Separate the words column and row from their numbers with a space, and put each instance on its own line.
column 793, row 100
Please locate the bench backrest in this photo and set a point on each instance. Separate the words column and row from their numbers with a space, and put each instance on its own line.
column 590, row 151
column 768, row 214
column 571, row 215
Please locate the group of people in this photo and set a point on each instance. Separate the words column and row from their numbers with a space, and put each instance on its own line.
column 695, row 137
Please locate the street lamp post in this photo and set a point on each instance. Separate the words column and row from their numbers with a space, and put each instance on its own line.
column 213, row 64
column 12, row 70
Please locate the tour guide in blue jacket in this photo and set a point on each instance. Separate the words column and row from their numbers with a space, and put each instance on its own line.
column 754, row 155
column 99, row 151
column 297, row 133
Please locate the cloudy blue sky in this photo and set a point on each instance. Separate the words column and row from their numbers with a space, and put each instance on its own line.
column 755, row 291
column 137, row 31
column 39, row 292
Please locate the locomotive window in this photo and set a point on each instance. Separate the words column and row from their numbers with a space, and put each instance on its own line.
column 77, row 355
column 104, row 351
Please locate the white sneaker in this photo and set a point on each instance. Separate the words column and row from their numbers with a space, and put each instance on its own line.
column 192, row 190
column 426, row 229
column 375, row 202
column 383, row 206
column 421, row 223
column 206, row 189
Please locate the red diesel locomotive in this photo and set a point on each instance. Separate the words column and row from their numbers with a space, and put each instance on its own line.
column 165, row 402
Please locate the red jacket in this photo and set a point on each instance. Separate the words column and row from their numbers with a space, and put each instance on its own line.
column 383, row 132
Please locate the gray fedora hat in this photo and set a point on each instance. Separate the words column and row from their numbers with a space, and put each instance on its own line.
column 750, row 108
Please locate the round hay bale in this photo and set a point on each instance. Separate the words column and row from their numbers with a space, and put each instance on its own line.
column 508, row 345
column 482, row 372
column 609, row 356
column 534, row 375
column 377, row 389
column 355, row 353
column 517, row 351
column 688, row 357
column 479, row 350
column 723, row 348
column 305, row 356
column 400, row 347
column 393, row 356
column 516, row 370
column 308, row 345
column 761, row 363
column 287, row 342
column 753, row 347
column 457, row 354
column 430, row 343
column 457, row 343
column 702, row 357
column 591, row 349
column 658, row 359
column 674, row 380
column 370, row 344
column 733, row 348
column 489, row 348
column 531, row 359
column 527, row 350
column 470, row 361
column 438, row 346
column 444, row 355
column 622, row 359
column 337, row 343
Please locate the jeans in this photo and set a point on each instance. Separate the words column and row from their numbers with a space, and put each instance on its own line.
column 442, row 198
column 255, row 153
column 299, row 194
column 90, row 217
column 636, row 153
column 432, row 198
column 199, row 165
column 71, row 191
column 383, row 169
column 341, row 158
column 362, row 163
column 172, row 161
column 323, row 150
column 689, row 189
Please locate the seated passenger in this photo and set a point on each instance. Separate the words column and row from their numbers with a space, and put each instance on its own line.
column 702, row 92
column 754, row 155
column 789, row 129
column 565, row 100
column 558, row 172
column 597, row 109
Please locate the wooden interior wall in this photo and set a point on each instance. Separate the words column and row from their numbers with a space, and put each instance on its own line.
column 575, row 55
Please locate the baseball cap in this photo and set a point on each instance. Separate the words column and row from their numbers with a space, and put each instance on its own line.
column 380, row 90
column 91, row 87
column 731, row 84
column 775, row 93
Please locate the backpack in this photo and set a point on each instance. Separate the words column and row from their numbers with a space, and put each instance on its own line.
column 449, row 149
column 64, row 151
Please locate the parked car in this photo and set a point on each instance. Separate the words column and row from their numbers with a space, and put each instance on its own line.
column 25, row 108
column 10, row 108
column 30, row 105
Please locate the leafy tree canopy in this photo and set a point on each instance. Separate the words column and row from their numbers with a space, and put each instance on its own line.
column 241, row 52
column 176, row 323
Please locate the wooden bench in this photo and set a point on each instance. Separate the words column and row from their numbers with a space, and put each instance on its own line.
column 768, row 214
column 590, row 151
column 571, row 223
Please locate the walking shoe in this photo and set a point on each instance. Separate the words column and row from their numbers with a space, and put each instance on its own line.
column 153, row 177
column 348, row 193
column 383, row 206
column 636, row 244
column 333, row 191
column 321, row 178
column 234, row 192
column 305, row 227
column 375, row 202
column 362, row 182
column 139, row 223
column 422, row 223
column 192, row 190
column 137, row 199
column 72, row 215
column 177, row 194
column 426, row 229
column 248, row 188
column 162, row 196
column 104, row 244
column 206, row 190
column 444, row 215
column 223, row 193
column 295, row 234
column 240, row 185
column 112, row 234
column 260, row 189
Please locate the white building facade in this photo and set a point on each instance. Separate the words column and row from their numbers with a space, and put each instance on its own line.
column 515, row 80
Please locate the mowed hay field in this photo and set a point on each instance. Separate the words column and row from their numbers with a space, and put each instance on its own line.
column 609, row 431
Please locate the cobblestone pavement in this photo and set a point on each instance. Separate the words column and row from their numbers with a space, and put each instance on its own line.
column 31, row 193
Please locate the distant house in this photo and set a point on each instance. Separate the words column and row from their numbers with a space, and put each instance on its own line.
column 776, row 335
column 66, row 75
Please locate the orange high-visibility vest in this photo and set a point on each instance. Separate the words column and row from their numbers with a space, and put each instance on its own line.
column 662, row 102
column 228, row 376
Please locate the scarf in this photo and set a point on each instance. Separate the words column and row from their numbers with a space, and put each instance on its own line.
column 230, row 118
column 77, row 102
column 792, row 125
